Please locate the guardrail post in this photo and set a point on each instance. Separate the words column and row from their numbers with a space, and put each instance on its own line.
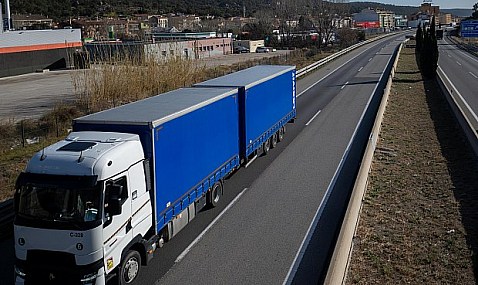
column 22, row 130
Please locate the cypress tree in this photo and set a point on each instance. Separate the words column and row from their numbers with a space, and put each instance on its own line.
column 419, row 43
column 427, row 57
column 434, row 44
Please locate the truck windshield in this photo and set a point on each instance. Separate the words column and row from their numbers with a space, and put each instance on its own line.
column 59, row 203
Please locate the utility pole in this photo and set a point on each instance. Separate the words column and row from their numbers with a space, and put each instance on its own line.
column 7, row 14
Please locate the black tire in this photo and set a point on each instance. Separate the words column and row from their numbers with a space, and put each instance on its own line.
column 280, row 137
column 214, row 195
column 130, row 267
column 266, row 147
column 274, row 140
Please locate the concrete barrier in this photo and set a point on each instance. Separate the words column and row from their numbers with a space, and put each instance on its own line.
column 466, row 117
column 343, row 249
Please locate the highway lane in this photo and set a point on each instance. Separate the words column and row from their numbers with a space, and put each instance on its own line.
column 290, row 175
column 462, row 69
column 257, row 239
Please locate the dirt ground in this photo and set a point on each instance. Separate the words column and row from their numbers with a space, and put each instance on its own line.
column 418, row 223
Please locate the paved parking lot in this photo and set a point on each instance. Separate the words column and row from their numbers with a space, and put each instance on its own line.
column 32, row 95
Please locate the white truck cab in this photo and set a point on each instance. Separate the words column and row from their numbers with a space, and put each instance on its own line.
column 79, row 204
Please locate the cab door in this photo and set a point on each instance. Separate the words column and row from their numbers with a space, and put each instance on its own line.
column 116, row 220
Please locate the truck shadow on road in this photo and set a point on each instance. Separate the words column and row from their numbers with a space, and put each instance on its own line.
column 7, row 258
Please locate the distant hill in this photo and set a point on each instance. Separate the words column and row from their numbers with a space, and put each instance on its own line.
column 64, row 9
column 458, row 12
column 356, row 7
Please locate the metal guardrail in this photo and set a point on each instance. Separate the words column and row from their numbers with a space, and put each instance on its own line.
column 317, row 64
column 471, row 48
column 6, row 218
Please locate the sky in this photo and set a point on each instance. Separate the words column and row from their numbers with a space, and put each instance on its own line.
column 444, row 4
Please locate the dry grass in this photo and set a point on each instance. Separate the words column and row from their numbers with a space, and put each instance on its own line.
column 110, row 85
column 418, row 221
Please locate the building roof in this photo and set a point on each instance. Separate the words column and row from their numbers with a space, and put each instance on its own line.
column 30, row 17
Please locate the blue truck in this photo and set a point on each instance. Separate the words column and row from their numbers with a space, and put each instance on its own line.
column 97, row 204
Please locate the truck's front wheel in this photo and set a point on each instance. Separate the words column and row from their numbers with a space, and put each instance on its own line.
column 130, row 267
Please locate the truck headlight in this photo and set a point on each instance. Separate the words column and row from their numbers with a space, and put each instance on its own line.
column 19, row 272
column 88, row 278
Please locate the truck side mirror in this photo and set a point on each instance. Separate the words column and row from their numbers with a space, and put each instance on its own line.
column 114, row 201
column 114, row 207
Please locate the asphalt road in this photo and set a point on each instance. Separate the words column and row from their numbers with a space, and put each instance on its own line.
column 462, row 69
column 32, row 95
column 256, row 240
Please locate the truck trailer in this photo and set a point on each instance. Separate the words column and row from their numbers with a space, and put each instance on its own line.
column 267, row 103
column 94, row 207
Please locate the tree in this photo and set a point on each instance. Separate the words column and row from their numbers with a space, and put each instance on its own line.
column 347, row 37
column 434, row 44
column 287, row 12
column 475, row 11
column 322, row 14
column 419, row 38
column 428, row 59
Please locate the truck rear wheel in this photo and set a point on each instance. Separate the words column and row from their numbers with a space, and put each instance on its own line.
column 130, row 267
column 214, row 195
column 266, row 147
column 274, row 140
column 280, row 137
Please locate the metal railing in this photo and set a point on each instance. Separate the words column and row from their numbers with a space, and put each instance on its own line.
column 317, row 64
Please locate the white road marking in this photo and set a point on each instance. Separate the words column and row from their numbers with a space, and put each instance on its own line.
column 370, row 59
column 250, row 161
column 308, row 88
column 200, row 236
column 473, row 74
column 343, row 86
column 464, row 53
column 458, row 63
column 360, row 69
column 308, row 236
column 310, row 121
column 475, row 117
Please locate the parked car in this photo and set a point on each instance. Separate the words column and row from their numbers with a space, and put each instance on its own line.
column 241, row 49
column 263, row 49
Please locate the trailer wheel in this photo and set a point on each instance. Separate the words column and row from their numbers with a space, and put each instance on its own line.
column 274, row 140
column 280, row 137
column 130, row 267
column 214, row 195
column 266, row 146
